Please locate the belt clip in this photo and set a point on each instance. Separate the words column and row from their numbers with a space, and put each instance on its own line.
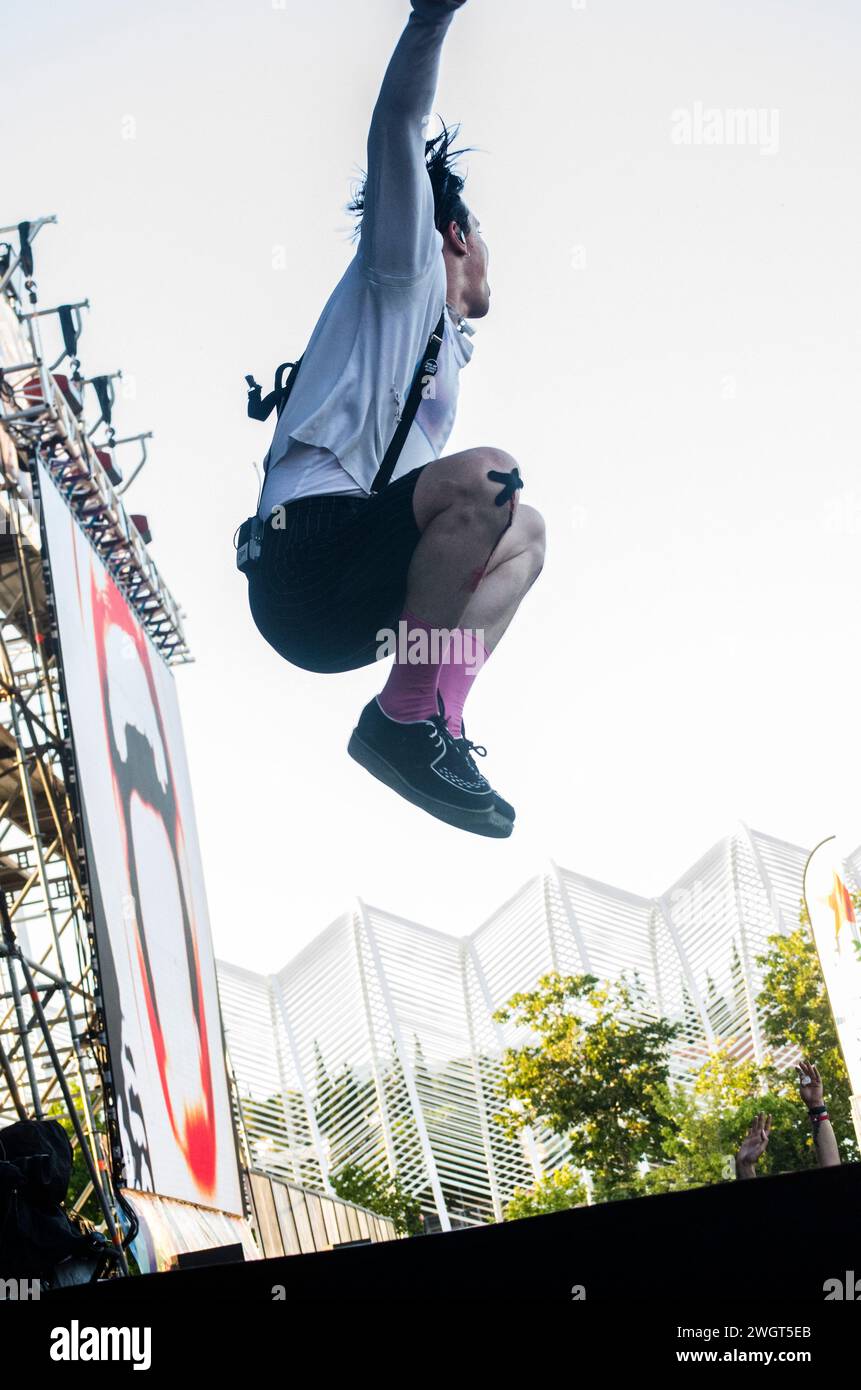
column 249, row 544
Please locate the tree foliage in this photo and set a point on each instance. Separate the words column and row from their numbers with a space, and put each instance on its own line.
column 796, row 1013
column 595, row 1070
column 704, row 1124
column 593, row 1074
column 556, row 1191
column 380, row 1193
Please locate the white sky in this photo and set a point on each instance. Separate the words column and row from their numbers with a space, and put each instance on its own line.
column 672, row 356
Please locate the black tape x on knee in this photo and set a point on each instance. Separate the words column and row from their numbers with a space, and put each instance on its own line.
column 510, row 483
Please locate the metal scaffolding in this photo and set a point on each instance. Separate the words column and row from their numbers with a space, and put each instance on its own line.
column 53, row 1045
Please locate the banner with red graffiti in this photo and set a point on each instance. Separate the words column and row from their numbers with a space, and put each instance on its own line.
column 149, row 904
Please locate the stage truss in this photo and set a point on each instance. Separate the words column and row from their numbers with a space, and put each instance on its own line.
column 53, row 1048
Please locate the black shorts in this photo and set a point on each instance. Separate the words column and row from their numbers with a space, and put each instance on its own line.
column 334, row 575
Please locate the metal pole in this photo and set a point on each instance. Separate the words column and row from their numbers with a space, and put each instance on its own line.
column 409, row 1079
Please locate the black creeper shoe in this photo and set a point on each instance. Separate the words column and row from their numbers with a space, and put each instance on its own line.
column 466, row 748
column 422, row 763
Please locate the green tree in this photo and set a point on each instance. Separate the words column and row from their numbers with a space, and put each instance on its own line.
column 796, row 1013
column 382, row 1194
column 594, row 1073
column 704, row 1124
column 554, row 1192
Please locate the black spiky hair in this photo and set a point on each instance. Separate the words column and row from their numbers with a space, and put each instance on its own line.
column 446, row 182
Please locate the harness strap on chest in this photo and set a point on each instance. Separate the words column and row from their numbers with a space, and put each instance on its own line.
column 427, row 368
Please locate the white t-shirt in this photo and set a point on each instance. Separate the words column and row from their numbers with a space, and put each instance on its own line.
column 362, row 355
column 308, row 470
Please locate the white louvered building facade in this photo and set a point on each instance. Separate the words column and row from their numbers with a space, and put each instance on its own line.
column 377, row 1044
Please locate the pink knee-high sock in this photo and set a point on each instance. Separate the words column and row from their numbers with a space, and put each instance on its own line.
column 409, row 693
column 465, row 657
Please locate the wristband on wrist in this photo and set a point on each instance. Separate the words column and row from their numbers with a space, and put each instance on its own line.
column 818, row 1113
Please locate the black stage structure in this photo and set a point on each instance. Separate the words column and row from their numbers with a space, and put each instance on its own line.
column 776, row 1239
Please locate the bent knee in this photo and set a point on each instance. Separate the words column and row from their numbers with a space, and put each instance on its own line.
column 460, row 486
column 470, row 479
column 468, row 490
column 487, row 457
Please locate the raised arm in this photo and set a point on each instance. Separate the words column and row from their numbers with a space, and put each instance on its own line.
column 753, row 1146
column 398, row 233
column 813, row 1095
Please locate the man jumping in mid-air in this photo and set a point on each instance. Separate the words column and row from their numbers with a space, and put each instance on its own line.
column 445, row 552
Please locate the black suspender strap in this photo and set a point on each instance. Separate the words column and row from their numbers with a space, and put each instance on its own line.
column 427, row 368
